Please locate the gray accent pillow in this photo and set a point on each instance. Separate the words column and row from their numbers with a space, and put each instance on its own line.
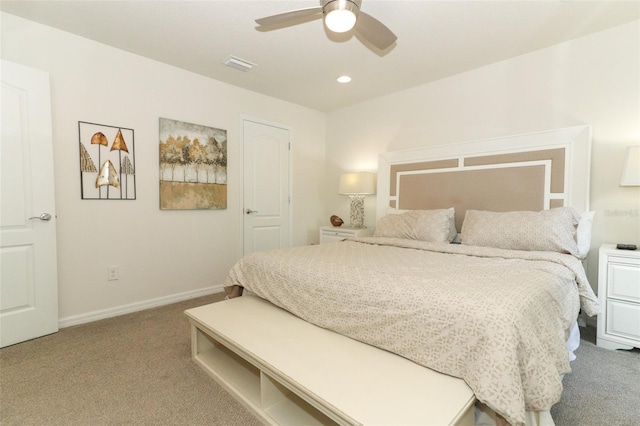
column 547, row 230
column 424, row 225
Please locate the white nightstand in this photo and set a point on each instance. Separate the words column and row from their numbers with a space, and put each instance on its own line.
column 330, row 234
column 619, row 296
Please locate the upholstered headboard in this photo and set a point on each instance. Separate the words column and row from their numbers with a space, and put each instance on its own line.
column 533, row 171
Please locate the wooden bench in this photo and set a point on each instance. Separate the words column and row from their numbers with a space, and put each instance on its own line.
column 290, row 372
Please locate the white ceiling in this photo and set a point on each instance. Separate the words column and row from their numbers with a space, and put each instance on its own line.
column 300, row 63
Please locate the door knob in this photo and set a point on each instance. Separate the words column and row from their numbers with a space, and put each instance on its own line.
column 249, row 211
column 45, row 217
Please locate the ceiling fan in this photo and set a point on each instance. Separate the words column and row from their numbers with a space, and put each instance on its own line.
column 339, row 16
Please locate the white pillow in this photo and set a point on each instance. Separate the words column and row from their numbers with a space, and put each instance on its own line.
column 583, row 234
column 424, row 225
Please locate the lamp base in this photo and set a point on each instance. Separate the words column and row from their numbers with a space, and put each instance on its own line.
column 356, row 215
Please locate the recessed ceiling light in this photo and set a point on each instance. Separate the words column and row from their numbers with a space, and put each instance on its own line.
column 344, row 79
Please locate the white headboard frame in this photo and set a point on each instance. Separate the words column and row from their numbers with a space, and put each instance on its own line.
column 576, row 142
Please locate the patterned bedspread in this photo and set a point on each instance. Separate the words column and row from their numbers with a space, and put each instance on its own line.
column 496, row 318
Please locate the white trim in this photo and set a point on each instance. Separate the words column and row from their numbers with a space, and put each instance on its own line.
column 546, row 163
column 575, row 140
column 138, row 306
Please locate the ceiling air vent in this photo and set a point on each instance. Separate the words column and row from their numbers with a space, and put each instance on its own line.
column 239, row 64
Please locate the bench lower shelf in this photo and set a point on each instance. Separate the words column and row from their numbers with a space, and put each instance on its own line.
column 290, row 372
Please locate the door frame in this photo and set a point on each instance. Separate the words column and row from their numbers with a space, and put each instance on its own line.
column 243, row 118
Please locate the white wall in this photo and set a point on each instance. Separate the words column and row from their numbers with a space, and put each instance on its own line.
column 593, row 80
column 160, row 253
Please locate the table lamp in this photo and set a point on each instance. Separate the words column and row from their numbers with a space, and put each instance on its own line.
column 356, row 186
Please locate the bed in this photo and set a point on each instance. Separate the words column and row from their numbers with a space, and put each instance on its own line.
column 474, row 270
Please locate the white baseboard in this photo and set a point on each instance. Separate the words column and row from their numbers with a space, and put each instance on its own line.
column 138, row 306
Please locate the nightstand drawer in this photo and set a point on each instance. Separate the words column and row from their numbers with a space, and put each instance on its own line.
column 623, row 319
column 330, row 234
column 333, row 238
column 338, row 234
column 624, row 281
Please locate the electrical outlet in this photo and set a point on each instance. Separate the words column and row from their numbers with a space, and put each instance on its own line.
column 113, row 273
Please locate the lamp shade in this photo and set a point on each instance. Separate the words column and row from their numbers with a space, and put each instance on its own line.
column 631, row 169
column 361, row 183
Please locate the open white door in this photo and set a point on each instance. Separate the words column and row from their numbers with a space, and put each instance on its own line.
column 29, row 281
column 266, row 198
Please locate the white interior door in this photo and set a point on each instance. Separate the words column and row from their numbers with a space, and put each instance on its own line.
column 28, row 269
column 266, row 207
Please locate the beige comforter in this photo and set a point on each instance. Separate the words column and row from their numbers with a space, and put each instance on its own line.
column 496, row 318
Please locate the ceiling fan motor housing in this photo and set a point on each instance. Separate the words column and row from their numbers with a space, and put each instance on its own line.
column 351, row 5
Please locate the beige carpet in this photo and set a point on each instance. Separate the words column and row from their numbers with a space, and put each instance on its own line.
column 137, row 370
column 131, row 370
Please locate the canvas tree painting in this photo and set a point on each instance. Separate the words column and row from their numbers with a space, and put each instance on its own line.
column 193, row 166
column 107, row 162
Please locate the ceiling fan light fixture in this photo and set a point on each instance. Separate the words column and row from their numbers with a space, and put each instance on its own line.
column 340, row 15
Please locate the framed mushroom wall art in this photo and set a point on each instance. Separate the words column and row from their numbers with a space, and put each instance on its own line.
column 107, row 162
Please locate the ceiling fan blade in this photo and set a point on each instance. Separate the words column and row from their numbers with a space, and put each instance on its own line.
column 374, row 31
column 289, row 16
